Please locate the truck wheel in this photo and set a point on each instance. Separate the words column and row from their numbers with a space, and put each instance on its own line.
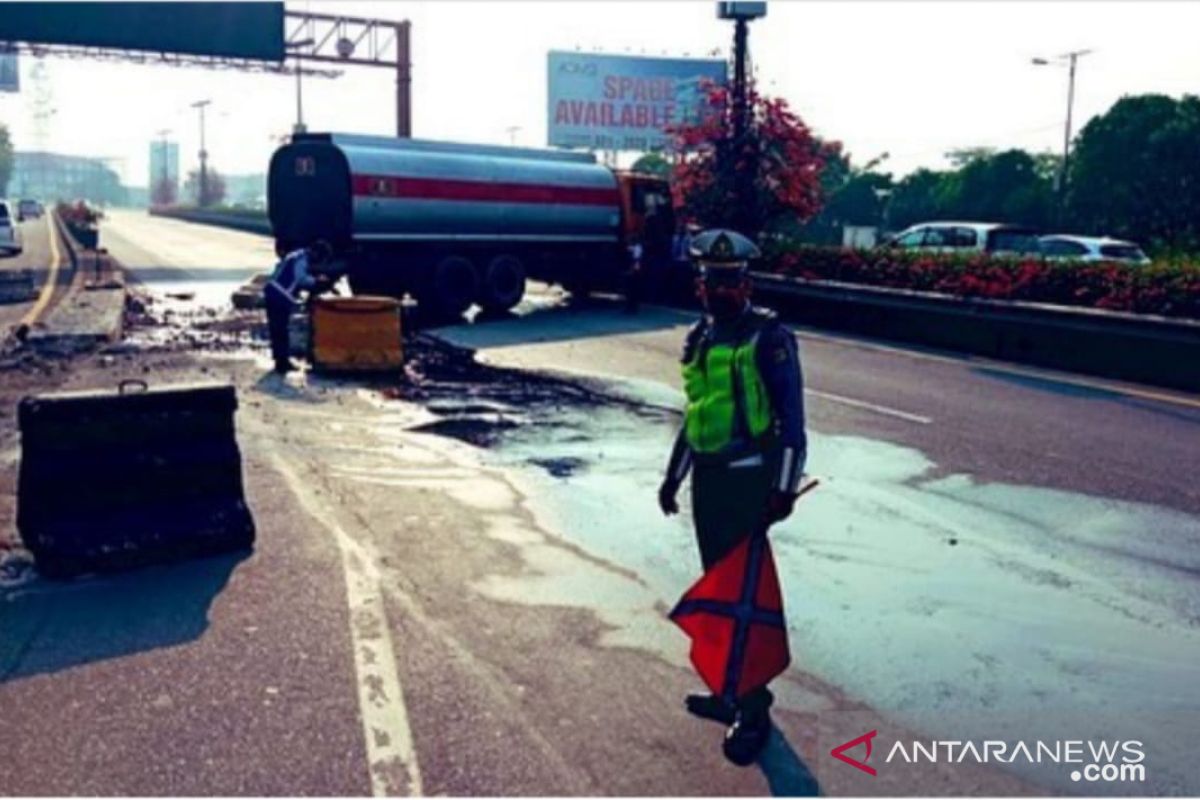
column 454, row 286
column 503, row 284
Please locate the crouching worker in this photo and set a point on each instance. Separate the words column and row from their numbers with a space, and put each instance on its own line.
column 296, row 273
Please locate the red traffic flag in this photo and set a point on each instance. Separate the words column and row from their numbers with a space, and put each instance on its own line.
column 734, row 615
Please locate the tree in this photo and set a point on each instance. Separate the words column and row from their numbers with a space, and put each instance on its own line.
column 919, row 197
column 653, row 164
column 6, row 159
column 999, row 187
column 215, row 185
column 784, row 160
column 1135, row 172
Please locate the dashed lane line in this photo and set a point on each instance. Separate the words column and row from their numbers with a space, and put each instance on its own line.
column 391, row 754
column 878, row 409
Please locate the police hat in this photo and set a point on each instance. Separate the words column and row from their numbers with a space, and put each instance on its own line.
column 722, row 249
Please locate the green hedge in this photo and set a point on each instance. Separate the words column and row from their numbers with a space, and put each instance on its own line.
column 1168, row 289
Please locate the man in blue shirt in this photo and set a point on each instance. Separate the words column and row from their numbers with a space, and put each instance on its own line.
column 293, row 275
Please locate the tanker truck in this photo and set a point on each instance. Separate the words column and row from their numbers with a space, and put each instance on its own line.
column 454, row 224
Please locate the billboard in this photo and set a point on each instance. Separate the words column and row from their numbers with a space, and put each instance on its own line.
column 233, row 30
column 10, row 76
column 606, row 102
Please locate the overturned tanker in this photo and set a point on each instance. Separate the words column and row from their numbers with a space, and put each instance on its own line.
column 456, row 224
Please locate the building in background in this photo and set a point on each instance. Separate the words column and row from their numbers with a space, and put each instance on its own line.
column 163, row 180
column 51, row 177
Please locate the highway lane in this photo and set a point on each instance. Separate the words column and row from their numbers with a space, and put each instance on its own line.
column 988, row 424
column 185, row 259
column 994, row 420
column 38, row 254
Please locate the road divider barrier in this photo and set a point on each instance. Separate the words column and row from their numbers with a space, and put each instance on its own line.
column 251, row 222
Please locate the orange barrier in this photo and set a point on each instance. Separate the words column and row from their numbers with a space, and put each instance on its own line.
column 356, row 334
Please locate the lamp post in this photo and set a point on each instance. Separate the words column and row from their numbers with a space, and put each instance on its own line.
column 299, row 126
column 1068, row 60
column 743, row 180
column 164, row 152
column 202, row 200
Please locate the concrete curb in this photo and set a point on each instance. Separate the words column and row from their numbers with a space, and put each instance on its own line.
column 1161, row 351
column 91, row 314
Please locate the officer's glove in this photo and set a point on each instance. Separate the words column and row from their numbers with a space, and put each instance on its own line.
column 666, row 498
column 779, row 506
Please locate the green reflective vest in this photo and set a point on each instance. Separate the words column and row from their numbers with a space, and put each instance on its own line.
column 720, row 382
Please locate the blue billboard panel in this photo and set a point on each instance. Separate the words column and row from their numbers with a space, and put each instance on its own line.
column 606, row 102
column 230, row 29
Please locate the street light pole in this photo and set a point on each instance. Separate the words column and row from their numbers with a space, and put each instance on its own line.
column 299, row 126
column 1070, row 60
column 743, row 179
column 164, row 155
column 202, row 200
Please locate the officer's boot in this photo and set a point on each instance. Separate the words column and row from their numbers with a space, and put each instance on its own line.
column 751, row 728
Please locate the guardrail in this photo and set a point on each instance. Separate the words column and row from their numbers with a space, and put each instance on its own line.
column 219, row 219
column 1138, row 347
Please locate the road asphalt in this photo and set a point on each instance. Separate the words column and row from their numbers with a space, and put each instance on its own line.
column 362, row 648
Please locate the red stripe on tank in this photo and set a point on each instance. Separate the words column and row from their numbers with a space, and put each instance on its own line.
column 479, row 191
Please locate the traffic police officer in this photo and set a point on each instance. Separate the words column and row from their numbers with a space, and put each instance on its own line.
column 742, row 439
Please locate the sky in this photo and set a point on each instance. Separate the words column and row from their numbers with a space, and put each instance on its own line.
column 910, row 79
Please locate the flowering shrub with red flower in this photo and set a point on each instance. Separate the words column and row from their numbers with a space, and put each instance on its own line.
column 1168, row 289
column 783, row 158
column 78, row 213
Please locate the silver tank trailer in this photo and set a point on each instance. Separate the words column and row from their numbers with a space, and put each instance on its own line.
column 448, row 221
column 410, row 188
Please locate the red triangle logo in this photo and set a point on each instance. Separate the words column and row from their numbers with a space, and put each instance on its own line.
column 839, row 752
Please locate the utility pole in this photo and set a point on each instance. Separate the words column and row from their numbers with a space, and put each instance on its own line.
column 1069, row 60
column 164, row 152
column 743, row 179
column 202, row 200
column 299, row 126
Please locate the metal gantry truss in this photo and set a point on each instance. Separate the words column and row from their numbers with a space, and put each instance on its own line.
column 166, row 59
column 338, row 39
column 308, row 38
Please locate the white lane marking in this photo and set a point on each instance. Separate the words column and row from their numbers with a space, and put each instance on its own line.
column 878, row 409
column 391, row 755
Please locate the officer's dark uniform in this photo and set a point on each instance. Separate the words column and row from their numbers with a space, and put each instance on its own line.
column 743, row 437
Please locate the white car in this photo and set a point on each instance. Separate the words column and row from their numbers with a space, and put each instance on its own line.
column 1092, row 248
column 10, row 234
column 967, row 237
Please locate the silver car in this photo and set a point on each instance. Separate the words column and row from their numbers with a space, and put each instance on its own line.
column 10, row 234
column 1092, row 248
column 967, row 237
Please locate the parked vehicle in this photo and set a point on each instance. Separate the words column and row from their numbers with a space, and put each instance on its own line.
column 28, row 209
column 456, row 223
column 967, row 237
column 10, row 234
column 1092, row 248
